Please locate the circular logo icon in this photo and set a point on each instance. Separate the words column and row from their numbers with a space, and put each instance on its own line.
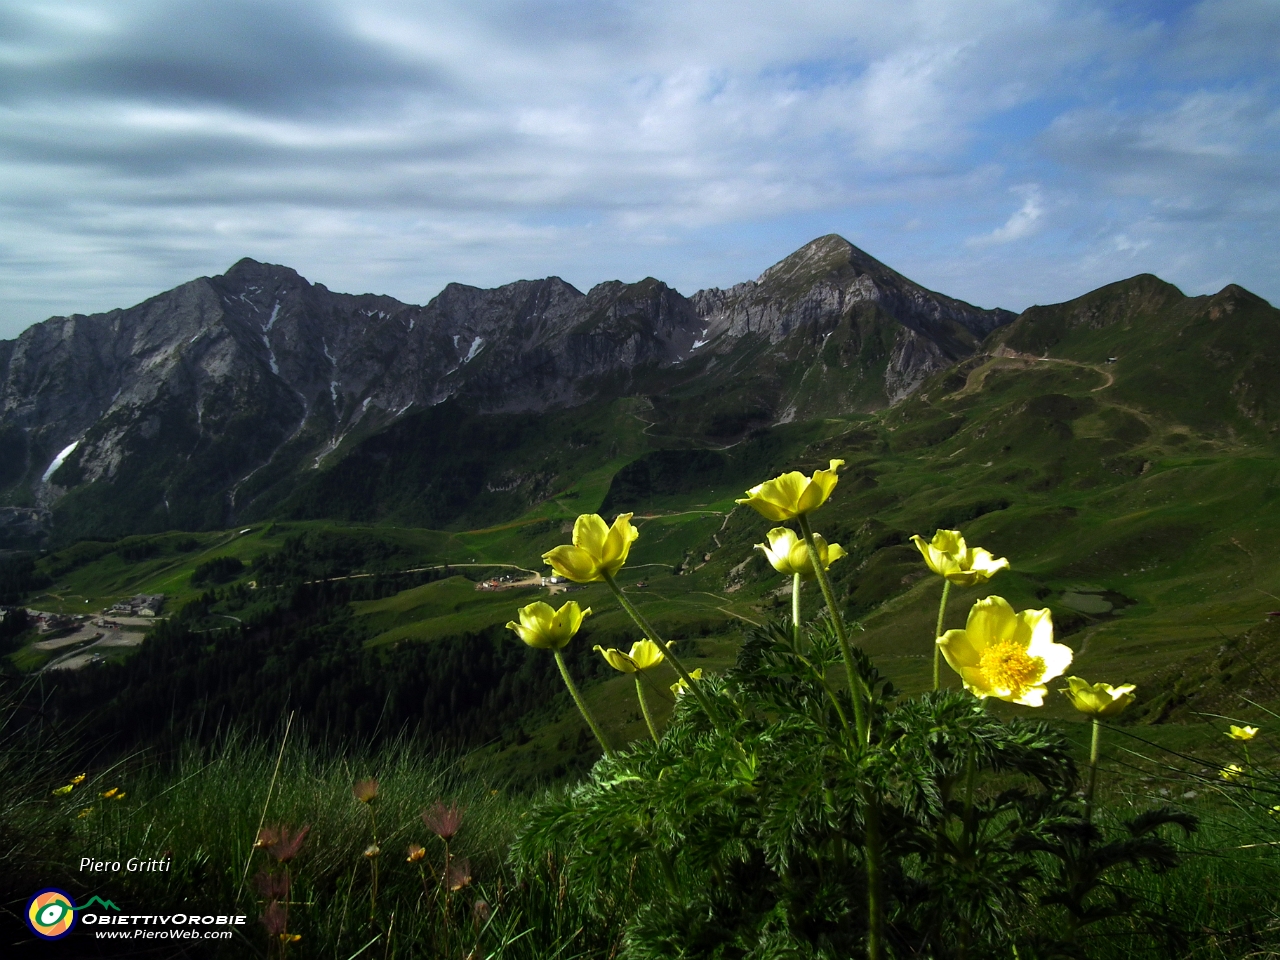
column 51, row 914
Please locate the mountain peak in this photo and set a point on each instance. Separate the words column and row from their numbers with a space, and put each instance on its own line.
column 828, row 255
column 248, row 269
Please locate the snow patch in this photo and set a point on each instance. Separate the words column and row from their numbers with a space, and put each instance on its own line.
column 333, row 391
column 412, row 321
column 57, row 461
column 271, row 354
column 327, row 355
column 196, row 337
column 456, row 338
column 697, row 344
column 476, row 344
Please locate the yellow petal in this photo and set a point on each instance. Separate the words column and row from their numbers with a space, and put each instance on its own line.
column 991, row 620
column 1242, row 733
column 778, row 551
column 959, row 652
column 820, row 487
column 617, row 544
column 589, row 533
column 616, row 659
column 645, row 654
column 1056, row 656
column 574, row 563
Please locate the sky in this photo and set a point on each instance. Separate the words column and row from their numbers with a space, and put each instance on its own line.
column 1006, row 152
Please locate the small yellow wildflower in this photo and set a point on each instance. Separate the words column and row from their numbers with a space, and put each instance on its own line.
column 951, row 558
column 1232, row 771
column 792, row 494
column 1242, row 733
column 680, row 688
column 789, row 554
column 548, row 629
column 1006, row 655
column 644, row 654
column 1098, row 699
column 597, row 550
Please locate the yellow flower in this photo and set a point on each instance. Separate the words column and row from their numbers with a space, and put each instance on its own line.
column 108, row 794
column 1006, row 655
column 1242, row 733
column 597, row 549
column 416, row 853
column 680, row 688
column 63, row 791
column 792, row 494
column 84, row 813
column 1099, row 699
column 372, row 850
column 77, row 780
column 949, row 556
column 290, row 937
column 644, row 654
column 548, row 629
column 1232, row 771
column 789, row 554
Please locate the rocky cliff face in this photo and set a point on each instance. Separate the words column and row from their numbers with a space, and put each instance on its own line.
column 186, row 406
column 824, row 283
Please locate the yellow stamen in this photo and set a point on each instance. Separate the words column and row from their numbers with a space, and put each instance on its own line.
column 1006, row 666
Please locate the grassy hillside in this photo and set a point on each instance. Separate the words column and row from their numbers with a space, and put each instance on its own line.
column 1136, row 499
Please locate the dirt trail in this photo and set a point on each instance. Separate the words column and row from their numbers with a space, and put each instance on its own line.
column 977, row 377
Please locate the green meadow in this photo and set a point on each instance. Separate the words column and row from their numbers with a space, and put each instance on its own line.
column 1133, row 496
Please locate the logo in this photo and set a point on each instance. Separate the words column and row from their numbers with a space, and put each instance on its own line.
column 51, row 914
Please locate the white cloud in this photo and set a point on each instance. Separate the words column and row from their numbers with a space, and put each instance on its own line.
column 399, row 144
column 1024, row 222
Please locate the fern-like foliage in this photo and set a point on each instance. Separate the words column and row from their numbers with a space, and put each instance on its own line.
column 749, row 841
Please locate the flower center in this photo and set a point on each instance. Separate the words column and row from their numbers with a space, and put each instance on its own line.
column 1007, row 667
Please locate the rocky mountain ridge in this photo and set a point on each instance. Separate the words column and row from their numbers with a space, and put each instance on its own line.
column 225, row 384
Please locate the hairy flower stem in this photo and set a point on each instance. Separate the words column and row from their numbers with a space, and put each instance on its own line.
column 860, row 696
column 795, row 627
column 855, row 678
column 444, row 884
column 373, row 868
column 937, row 632
column 647, row 629
column 1093, row 772
column 582, row 704
column 875, row 884
column 795, row 607
column 644, row 708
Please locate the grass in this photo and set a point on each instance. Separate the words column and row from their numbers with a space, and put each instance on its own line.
column 203, row 809
column 166, row 812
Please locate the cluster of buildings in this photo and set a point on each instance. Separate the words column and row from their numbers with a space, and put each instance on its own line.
column 49, row 622
column 143, row 605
